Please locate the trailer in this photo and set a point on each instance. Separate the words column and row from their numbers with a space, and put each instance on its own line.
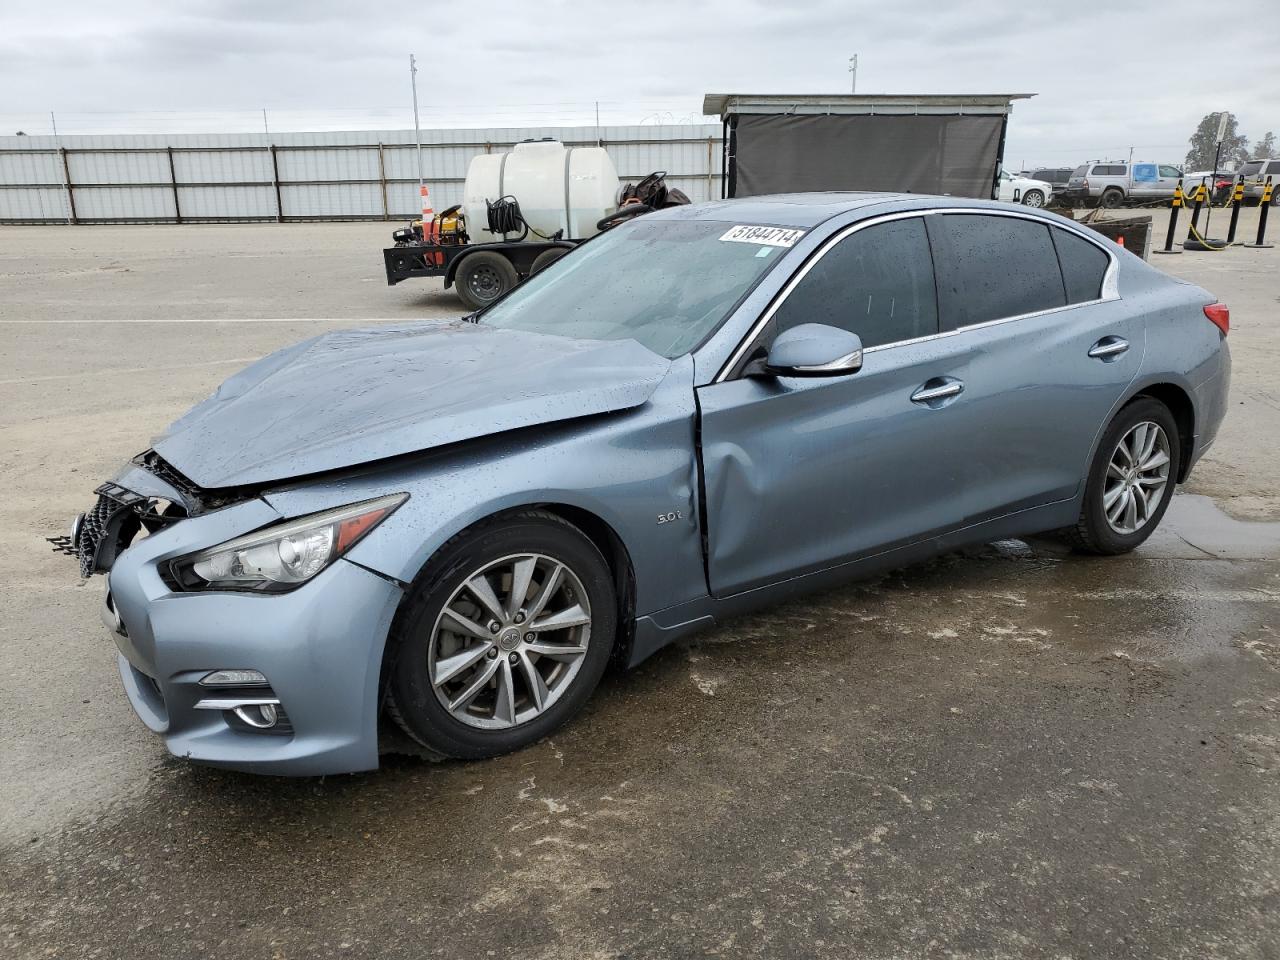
column 480, row 272
column 940, row 144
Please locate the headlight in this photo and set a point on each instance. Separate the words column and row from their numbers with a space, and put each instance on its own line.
column 281, row 557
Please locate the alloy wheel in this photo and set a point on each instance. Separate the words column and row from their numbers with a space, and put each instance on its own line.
column 1033, row 198
column 510, row 641
column 1137, row 475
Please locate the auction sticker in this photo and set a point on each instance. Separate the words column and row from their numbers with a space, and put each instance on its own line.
column 771, row 236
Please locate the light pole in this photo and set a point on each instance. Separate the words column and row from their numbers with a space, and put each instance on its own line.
column 853, row 71
column 417, row 132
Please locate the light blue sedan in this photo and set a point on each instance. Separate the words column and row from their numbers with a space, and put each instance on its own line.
column 443, row 533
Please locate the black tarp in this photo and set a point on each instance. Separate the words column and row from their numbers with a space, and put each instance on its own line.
column 931, row 153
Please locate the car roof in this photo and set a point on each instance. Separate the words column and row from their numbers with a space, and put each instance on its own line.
column 806, row 210
column 782, row 209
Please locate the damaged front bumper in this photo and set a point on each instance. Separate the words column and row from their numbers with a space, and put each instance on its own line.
column 318, row 648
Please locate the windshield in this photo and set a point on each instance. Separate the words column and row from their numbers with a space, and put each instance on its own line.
column 664, row 283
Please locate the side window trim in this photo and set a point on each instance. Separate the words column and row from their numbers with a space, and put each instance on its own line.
column 732, row 366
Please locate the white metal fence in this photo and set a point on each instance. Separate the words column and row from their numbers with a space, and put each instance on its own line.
column 356, row 175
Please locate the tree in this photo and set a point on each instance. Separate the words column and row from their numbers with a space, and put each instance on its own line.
column 1235, row 146
column 1265, row 149
column 21, row 133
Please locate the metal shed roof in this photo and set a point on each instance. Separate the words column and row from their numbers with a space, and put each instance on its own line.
column 727, row 104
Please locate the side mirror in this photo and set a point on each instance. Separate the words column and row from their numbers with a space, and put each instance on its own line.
column 814, row 350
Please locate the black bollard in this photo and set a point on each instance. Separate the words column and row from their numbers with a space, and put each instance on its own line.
column 1261, row 243
column 1194, row 240
column 1237, row 197
column 1173, row 221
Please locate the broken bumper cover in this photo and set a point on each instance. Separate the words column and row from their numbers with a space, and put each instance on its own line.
column 319, row 647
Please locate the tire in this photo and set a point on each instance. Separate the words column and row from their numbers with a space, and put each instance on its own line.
column 1111, row 198
column 1094, row 532
column 483, row 277
column 1275, row 197
column 1033, row 198
column 424, row 637
column 546, row 258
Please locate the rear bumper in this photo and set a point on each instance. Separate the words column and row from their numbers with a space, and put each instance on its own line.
column 1211, row 404
column 320, row 648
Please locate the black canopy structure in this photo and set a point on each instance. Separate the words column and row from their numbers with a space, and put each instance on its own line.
column 951, row 145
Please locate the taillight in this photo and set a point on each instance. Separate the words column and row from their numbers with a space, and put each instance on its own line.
column 1219, row 316
column 1085, row 184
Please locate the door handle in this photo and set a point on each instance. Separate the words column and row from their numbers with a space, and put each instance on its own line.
column 1108, row 348
column 939, row 388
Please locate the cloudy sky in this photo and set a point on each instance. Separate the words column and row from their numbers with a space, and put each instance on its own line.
column 1108, row 77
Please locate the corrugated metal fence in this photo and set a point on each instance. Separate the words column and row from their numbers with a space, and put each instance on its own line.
column 356, row 175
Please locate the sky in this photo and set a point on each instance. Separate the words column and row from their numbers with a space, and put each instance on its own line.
column 1107, row 77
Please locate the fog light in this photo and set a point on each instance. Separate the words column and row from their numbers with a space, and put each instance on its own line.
column 233, row 678
column 263, row 716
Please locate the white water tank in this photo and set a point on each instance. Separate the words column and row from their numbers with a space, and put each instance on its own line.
column 558, row 188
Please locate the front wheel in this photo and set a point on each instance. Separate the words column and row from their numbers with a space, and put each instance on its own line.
column 1130, row 481
column 503, row 638
column 1033, row 198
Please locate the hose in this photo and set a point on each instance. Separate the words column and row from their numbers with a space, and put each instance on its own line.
column 504, row 217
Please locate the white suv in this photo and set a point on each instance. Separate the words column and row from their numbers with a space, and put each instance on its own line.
column 1255, row 173
column 1032, row 193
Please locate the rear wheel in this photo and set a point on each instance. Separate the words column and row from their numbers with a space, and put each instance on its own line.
column 503, row 638
column 546, row 258
column 1130, row 481
column 483, row 277
column 1111, row 198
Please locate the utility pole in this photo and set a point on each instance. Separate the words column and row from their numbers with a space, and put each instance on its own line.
column 54, row 121
column 853, row 70
column 597, row 123
column 264, row 122
column 417, row 132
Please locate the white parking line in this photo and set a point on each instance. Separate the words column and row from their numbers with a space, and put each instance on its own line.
column 93, row 373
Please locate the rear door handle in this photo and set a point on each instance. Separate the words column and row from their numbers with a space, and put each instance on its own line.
column 939, row 388
column 1108, row 348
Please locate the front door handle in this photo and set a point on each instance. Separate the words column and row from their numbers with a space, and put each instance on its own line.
column 1108, row 348
column 937, row 389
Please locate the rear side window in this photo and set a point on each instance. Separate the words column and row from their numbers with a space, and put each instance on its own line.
column 995, row 267
column 1273, row 167
column 1109, row 170
column 877, row 283
column 1083, row 266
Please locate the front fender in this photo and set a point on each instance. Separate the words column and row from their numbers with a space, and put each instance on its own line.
column 628, row 469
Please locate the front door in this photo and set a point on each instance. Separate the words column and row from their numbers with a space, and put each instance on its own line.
column 805, row 473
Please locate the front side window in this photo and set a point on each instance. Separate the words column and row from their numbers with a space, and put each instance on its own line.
column 877, row 283
column 664, row 283
column 996, row 267
column 1168, row 171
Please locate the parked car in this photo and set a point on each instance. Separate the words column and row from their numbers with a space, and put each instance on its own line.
column 1255, row 173
column 1218, row 184
column 1110, row 183
column 450, row 528
column 1057, row 177
column 1031, row 193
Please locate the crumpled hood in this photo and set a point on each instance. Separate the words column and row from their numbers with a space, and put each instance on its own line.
column 351, row 397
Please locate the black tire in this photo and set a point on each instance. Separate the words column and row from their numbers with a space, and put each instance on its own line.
column 1275, row 197
column 1111, row 198
column 412, row 702
column 1092, row 533
column 483, row 277
column 1037, row 194
column 546, row 258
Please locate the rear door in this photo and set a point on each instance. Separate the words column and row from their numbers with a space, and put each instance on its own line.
column 1047, row 354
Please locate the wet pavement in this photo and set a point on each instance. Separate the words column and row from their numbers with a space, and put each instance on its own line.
column 1014, row 752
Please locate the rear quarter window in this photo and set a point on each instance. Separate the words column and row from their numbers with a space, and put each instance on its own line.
column 995, row 267
column 1083, row 266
